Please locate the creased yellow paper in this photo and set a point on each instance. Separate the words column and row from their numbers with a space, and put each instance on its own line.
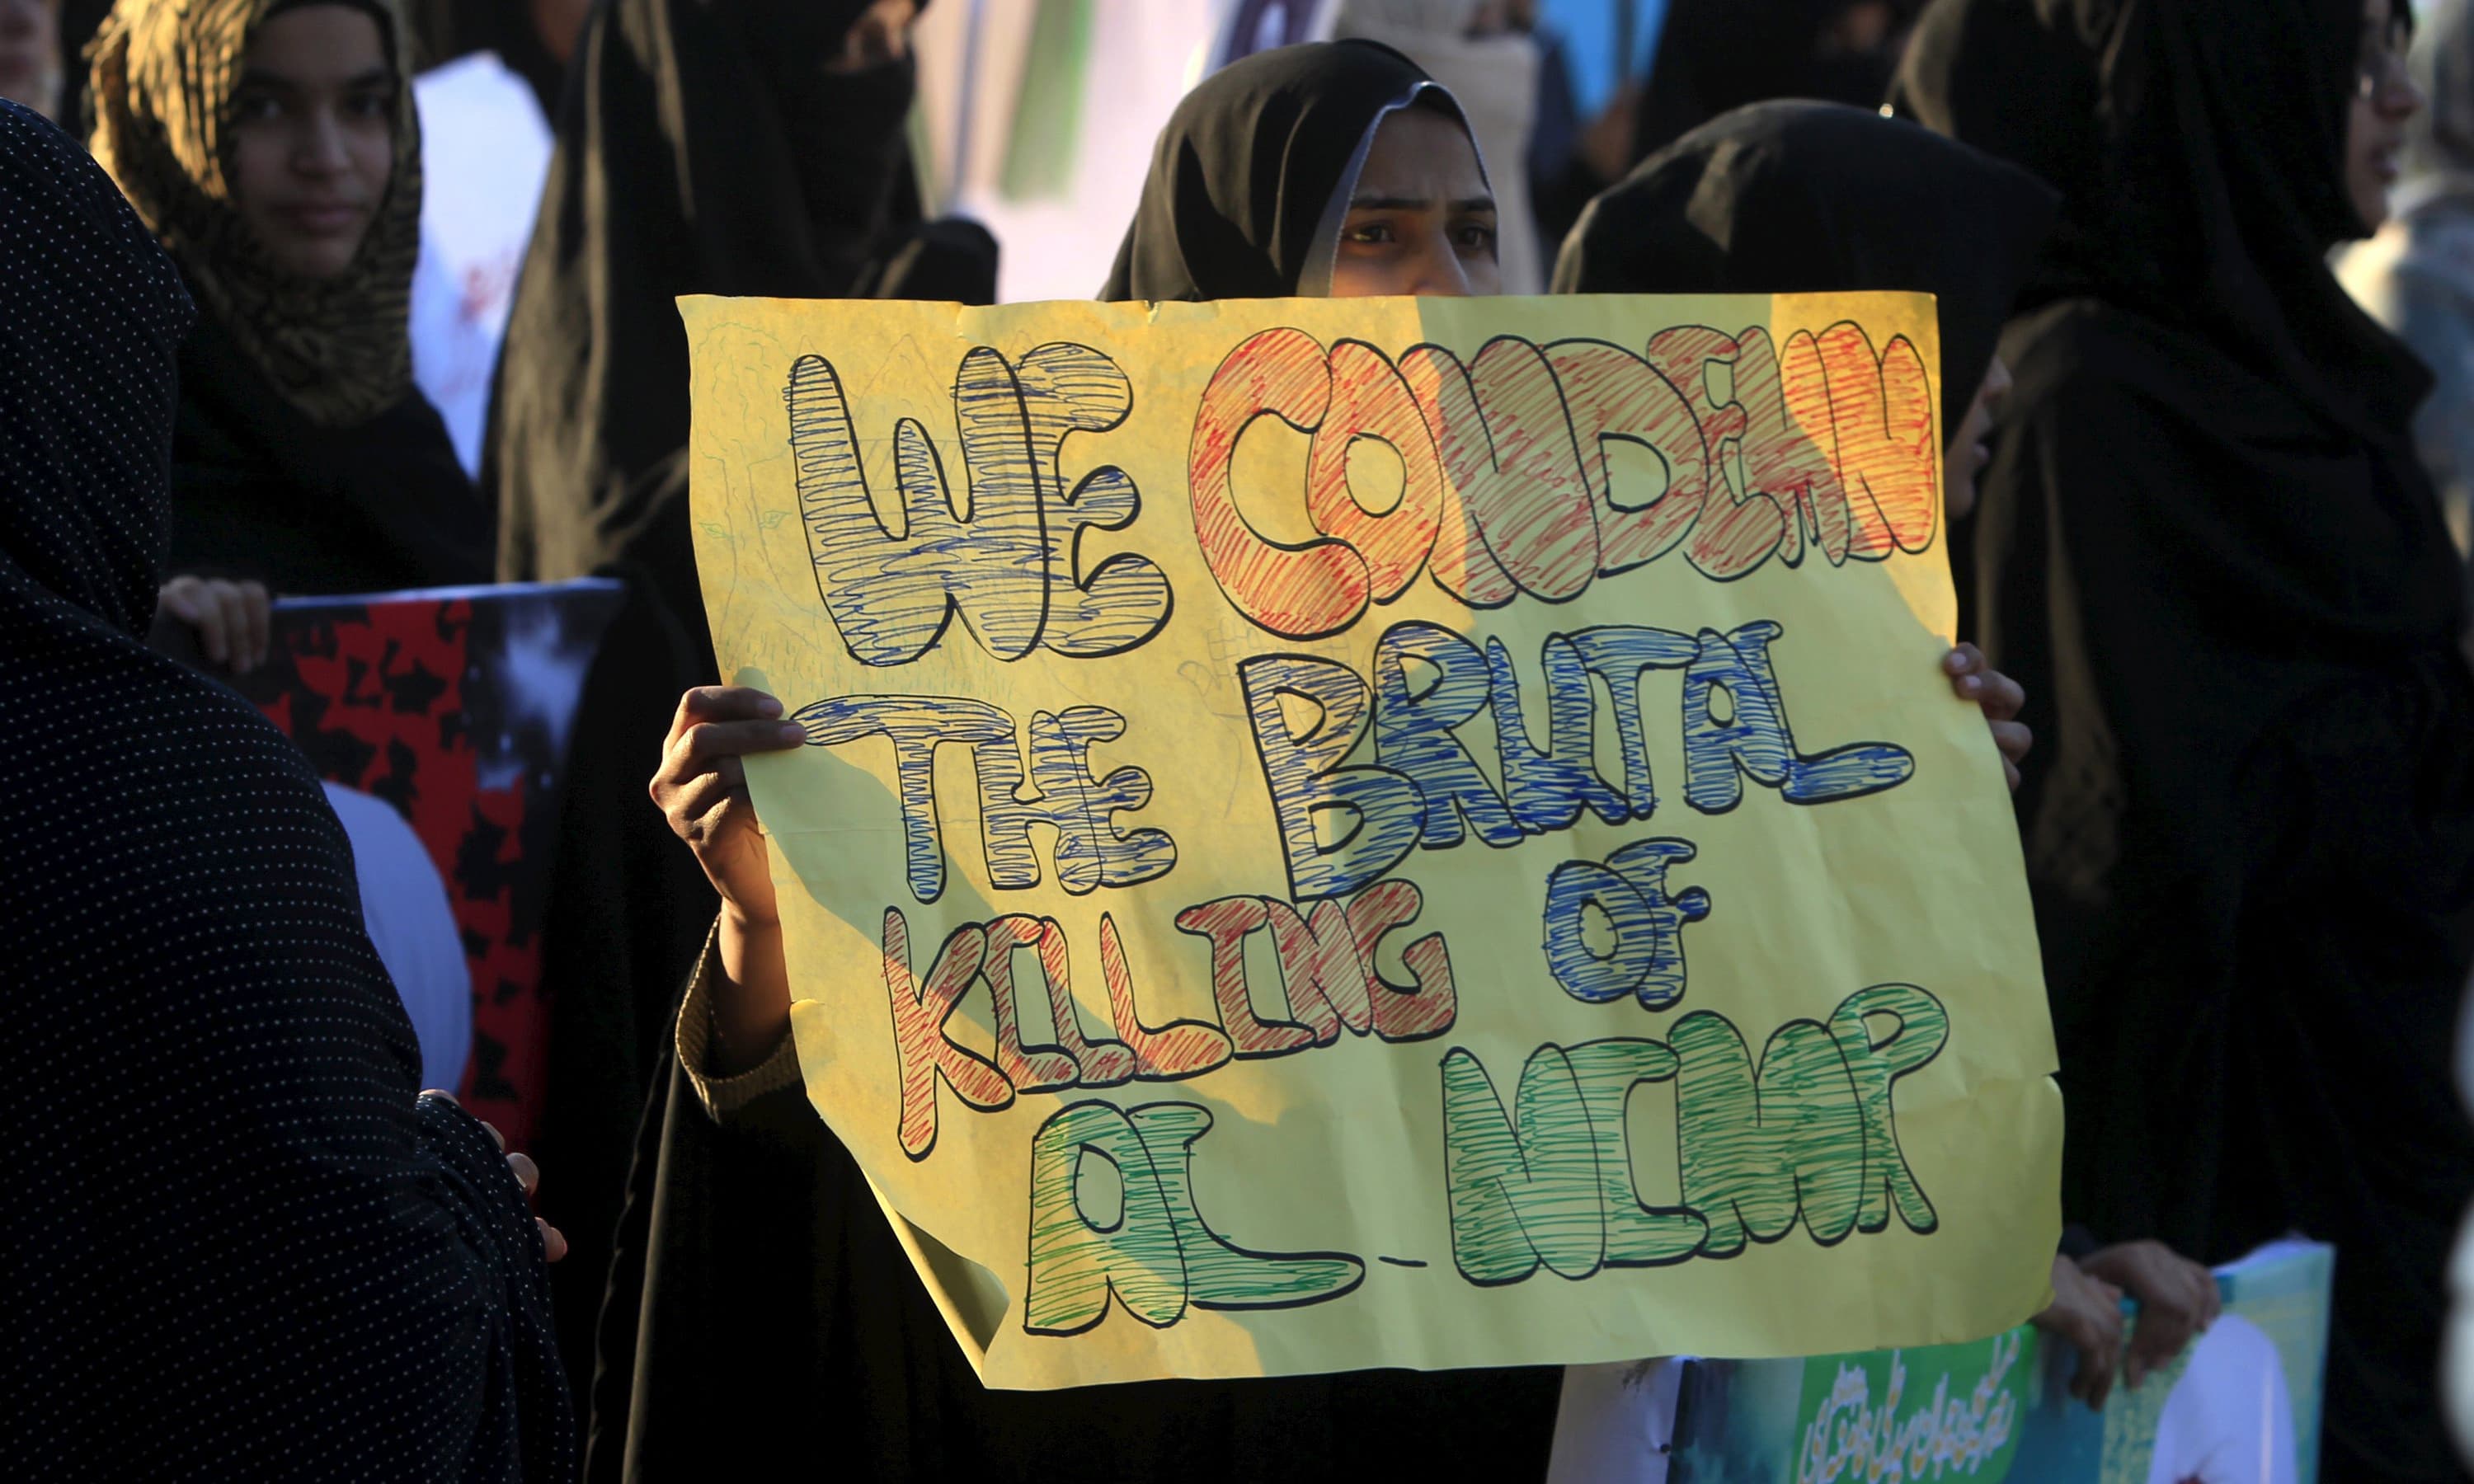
column 1386, row 832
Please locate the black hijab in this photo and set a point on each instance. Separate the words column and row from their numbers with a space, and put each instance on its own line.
column 234, row 1239
column 2207, row 550
column 2185, row 199
column 1238, row 203
column 704, row 149
column 1804, row 198
column 2188, row 276
column 1715, row 55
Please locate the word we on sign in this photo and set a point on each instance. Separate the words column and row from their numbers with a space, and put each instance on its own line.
column 1385, row 833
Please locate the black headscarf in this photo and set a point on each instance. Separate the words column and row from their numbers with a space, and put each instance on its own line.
column 1807, row 198
column 234, row 1239
column 2207, row 550
column 704, row 149
column 1242, row 179
column 2185, row 199
column 259, row 490
column 1715, row 55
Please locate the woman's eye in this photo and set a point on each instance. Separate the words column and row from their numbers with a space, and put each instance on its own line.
column 1371, row 232
column 1476, row 238
column 371, row 106
column 255, row 105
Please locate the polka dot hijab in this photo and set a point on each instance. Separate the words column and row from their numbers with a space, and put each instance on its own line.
column 234, row 1241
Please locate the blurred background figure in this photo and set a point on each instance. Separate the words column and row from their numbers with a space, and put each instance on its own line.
column 31, row 64
column 1717, row 54
column 731, row 147
column 485, row 146
column 1713, row 55
column 754, row 147
column 2417, row 276
column 532, row 38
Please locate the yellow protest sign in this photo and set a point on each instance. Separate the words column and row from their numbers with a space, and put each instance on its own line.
column 1386, row 832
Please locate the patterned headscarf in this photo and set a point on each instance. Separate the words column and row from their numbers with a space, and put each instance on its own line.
column 164, row 71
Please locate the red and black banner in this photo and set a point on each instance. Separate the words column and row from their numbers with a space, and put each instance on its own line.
column 454, row 707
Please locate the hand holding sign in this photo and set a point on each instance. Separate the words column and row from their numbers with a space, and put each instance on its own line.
column 701, row 789
column 2000, row 699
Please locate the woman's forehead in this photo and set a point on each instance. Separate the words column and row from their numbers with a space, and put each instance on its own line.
column 1423, row 155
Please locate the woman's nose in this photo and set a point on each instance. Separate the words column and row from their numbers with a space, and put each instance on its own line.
column 320, row 146
column 1440, row 273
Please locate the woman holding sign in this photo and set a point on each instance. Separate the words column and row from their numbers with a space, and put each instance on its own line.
column 1333, row 169
column 2209, row 548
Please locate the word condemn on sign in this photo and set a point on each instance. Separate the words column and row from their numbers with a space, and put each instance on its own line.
column 1393, row 833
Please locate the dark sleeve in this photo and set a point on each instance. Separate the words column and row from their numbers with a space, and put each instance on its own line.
column 501, row 1249
column 236, row 1242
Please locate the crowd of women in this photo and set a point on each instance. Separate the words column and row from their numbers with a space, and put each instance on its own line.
column 2223, row 617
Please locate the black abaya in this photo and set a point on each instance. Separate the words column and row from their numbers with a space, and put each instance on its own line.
column 259, row 490
column 702, row 148
column 2208, row 552
column 761, row 1305
column 234, row 1241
